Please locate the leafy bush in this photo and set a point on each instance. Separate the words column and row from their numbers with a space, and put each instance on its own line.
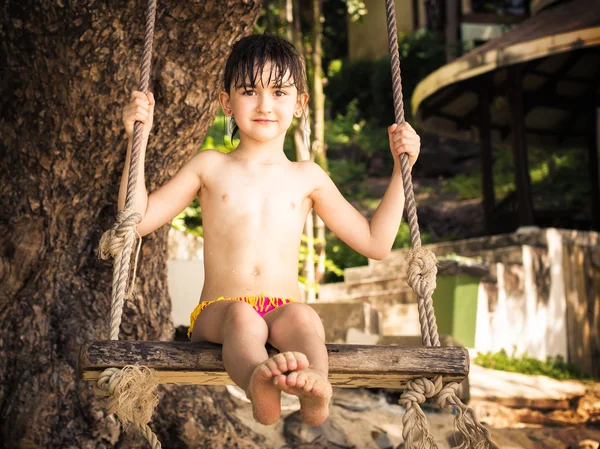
column 421, row 53
column 555, row 178
column 190, row 220
column 348, row 132
column 555, row 367
column 342, row 256
column 348, row 176
column 346, row 83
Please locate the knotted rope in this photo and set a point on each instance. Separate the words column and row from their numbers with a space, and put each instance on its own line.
column 131, row 391
column 422, row 271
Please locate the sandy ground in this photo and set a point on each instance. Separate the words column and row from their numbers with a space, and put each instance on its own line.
column 364, row 420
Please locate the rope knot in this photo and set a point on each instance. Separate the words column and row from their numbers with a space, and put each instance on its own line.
column 131, row 393
column 422, row 271
column 446, row 398
column 414, row 420
column 418, row 390
column 114, row 240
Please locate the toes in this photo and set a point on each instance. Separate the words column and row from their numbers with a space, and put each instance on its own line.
column 300, row 379
column 291, row 379
column 301, row 361
column 272, row 366
column 263, row 371
column 280, row 381
column 281, row 362
column 290, row 358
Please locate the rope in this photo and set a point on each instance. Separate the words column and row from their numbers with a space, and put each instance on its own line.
column 422, row 271
column 131, row 391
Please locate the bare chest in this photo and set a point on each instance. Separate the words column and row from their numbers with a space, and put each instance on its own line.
column 254, row 197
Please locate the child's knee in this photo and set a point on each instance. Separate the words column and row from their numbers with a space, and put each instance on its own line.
column 297, row 317
column 297, row 313
column 242, row 315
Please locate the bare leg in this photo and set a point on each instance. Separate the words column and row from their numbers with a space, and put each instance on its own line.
column 297, row 327
column 243, row 334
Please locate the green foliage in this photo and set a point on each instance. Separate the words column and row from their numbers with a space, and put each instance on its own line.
column 341, row 256
column 217, row 137
column 347, row 82
column 555, row 178
column 350, row 130
column 356, row 9
column 420, row 52
column 555, row 367
column 330, row 265
column 348, row 176
column 190, row 220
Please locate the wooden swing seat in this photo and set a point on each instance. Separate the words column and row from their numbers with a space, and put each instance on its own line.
column 350, row 366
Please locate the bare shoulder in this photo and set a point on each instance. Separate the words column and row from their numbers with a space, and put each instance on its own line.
column 208, row 157
column 312, row 173
column 207, row 162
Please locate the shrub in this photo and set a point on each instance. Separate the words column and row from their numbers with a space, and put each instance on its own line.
column 370, row 82
column 555, row 367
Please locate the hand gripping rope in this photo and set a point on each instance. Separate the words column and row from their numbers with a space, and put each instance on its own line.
column 131, row 391
column 422, row 271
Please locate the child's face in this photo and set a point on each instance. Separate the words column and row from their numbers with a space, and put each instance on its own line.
column 264, row 112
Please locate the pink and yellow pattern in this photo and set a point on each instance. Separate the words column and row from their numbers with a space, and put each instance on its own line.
column 262, row 304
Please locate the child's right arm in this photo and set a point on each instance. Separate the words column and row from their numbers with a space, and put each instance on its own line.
column 165, row 203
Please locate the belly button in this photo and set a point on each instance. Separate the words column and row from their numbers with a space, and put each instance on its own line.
column 255, row 272
column 225, row 197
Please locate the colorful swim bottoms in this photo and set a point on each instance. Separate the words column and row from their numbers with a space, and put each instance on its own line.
column 262, row 304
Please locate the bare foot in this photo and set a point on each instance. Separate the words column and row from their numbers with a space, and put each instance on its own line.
column 265, row 396
column 314, row 392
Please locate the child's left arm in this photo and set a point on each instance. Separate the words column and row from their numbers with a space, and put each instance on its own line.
column 372, row 239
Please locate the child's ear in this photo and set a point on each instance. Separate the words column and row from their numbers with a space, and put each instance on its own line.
column 301, row 104
column 225, row 102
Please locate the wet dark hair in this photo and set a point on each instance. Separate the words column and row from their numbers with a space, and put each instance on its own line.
column 249, row 56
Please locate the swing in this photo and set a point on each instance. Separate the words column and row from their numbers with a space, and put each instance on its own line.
column 423, row 372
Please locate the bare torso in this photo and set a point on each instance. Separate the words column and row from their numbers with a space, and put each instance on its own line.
column 253, row 217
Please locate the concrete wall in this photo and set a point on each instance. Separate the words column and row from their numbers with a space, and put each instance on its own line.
column 542, row 295
column 185, row 274
column 525, row 309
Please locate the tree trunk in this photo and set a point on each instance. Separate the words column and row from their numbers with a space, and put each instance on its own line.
column 318, row 144
column 67, row 69
column 319, row 148
column 303, row 153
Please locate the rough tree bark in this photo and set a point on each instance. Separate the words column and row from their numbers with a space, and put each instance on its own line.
column 66, row 70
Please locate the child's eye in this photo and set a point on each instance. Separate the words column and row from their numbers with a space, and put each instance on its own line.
column 279, row 93
column 248, row 92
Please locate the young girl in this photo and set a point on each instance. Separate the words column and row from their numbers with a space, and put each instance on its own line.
column 254, row 204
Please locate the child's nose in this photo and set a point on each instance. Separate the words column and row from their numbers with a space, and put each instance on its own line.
column 264, row 104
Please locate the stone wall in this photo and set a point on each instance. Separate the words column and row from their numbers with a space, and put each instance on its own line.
column 542, row 294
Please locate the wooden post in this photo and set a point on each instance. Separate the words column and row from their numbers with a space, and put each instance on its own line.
column 594, row 166
column 487, row 162
column 522, row 179
column 451, row 29
column 415, row 14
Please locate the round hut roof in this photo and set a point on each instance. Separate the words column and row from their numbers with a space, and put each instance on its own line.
column 558, row 56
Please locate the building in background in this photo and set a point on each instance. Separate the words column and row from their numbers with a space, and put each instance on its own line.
column 463, row 24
